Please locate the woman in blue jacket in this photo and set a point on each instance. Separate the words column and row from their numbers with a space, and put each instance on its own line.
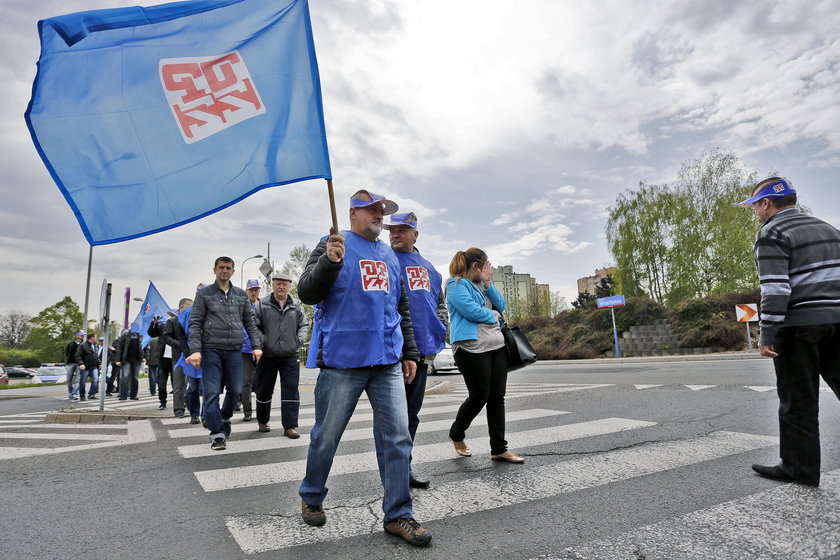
column 475, row 307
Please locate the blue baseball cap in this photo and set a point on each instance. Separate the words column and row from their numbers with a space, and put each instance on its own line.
column 80, row 333
column 363, row 198
column 252, row 283
column 775, row 187
column 402, row 219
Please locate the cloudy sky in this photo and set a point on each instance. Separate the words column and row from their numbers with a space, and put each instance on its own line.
column 510, row 126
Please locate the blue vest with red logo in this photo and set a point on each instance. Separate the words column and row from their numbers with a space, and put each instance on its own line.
column 423, row 285
column 358, row 324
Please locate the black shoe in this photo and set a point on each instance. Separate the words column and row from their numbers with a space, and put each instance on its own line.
column 162, row 407
column 238, row 408
column 246, row 418
column 779, row 474
column 135, row 398
column 194, row 420
column 218, row 444
column 227, row 428
column 415, row 482
column 313, row 516
column 82, row 398
column 123, row 398
column 109, row 394
column 153, row 394
column 409, row 530
column 204, row 423
column 179, row 414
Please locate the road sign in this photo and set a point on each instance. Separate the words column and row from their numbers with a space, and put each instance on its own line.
column 266, row 268
column 746, row 312
column 612, row 301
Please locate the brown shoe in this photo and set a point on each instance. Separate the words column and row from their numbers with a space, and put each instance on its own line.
column 291, row 433
column 409, row 530
column 264, row 428
column 508, row 457
column 313, row 516
column 461, row 448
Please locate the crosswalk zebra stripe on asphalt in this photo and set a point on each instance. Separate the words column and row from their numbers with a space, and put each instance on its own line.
column 281, row 442
column 789, row 521
column 306, row 422
column 264, row 532
column 274, row 473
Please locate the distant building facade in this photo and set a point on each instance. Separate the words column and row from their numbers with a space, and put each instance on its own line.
column 519, row 287
column 587, row 285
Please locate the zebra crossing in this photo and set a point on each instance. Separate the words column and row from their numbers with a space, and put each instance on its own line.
column 494, row 489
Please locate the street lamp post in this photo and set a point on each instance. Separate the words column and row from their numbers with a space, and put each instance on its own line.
column 242, row 270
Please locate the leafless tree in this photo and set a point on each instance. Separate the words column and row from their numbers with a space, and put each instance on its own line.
column 14, row 326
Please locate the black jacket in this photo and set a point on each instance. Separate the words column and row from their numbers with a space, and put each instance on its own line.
column 283, row 329
column 70, row 351
column 88, row 355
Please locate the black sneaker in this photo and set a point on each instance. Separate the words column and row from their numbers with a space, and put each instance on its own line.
column 247, row 417
column 409, row 530
column 227, row 428
column 162, row 407
column 218, row 444
column 313, row 516
column 194, row 420
column 179, row 414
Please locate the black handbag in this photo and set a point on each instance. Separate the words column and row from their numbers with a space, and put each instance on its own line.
column 520, row 353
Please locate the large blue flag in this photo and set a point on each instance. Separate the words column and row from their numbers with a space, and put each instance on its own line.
column 150, row 118
column 153, row 305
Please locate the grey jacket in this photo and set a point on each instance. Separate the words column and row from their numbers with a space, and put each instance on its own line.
column 283, row 329
column 217, row 319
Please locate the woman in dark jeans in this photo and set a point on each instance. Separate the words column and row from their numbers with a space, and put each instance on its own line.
column 475, row 307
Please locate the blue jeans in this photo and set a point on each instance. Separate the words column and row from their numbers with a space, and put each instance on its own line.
column 129, row 379
column 337, row 392
column 153, row 379
column 220, row 368
column 195, row 389
column 72, row 379
column 93, row 374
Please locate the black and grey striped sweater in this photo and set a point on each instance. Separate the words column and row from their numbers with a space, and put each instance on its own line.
column 798, row 261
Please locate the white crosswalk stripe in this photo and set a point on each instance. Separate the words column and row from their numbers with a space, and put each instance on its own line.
column 138, row 431
column 261, row 533
column 758, row 526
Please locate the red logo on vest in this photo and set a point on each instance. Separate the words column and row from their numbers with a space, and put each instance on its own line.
column 375, row 276
column 418, row 278
column 208, row 94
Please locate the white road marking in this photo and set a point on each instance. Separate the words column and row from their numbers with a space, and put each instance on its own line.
column 643, row 387
column 138, row 431
column 760, row 388
column 306, row 422
column 275, row 473
column 789, row 521
column 263, row 532
column 699, row 387
column 281, row 442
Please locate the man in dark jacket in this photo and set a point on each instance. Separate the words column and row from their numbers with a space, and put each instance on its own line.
column 284, row 328
column 219, row 313
column 87, row 355
column 130, row 359
column 71, row 365
column 362, row 341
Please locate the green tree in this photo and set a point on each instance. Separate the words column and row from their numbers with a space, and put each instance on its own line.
column 52, row 329
column 605, row 287
column 584, row 300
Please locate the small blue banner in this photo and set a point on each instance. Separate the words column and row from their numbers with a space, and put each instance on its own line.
column 612, row 301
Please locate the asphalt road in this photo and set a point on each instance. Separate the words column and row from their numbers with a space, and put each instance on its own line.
column 624, row 461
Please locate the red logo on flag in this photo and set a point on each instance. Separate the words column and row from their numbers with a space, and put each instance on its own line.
column 375, row 276
column 148, row 307
column 418, row 278
column 208, row 94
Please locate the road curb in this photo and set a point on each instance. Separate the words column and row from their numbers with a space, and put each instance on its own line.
column 97, row 417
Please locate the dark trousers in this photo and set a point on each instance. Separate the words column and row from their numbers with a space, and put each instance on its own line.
column 248, row 366
column 114, row 380
column 805, row 353
column 414, row 393
column 130, row 379
column 485, row 375
column 268, row 369
column 153, row 379
column 163, row 373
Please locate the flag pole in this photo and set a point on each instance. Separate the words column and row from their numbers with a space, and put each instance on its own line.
column 332, row 206
column 87, row 291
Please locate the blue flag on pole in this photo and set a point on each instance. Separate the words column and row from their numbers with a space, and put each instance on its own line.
column 150, row 118
column 153, row 304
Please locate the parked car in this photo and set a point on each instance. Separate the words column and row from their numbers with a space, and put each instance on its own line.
column 50, row 374
column 443, row 361
column 19, row 371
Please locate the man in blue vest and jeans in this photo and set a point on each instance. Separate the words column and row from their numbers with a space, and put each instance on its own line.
column 362, row 340
column 429, row 317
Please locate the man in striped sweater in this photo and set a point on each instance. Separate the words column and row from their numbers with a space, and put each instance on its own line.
column 798, row 261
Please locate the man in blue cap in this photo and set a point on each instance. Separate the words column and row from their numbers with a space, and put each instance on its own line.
column 363, row 341
column 429, row 317
column 252, row 288
column 798, row 261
